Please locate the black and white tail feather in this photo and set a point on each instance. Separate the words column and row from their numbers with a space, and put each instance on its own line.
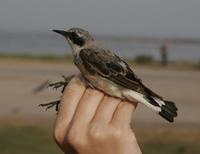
column 165, row 109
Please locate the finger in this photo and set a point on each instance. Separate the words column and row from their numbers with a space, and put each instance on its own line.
column 69, row 102
column 105, row 110
column 123, row 113
column 87, row 107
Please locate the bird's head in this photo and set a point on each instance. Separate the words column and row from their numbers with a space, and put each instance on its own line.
column 77, row 37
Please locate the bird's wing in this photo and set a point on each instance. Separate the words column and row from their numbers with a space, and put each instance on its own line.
column 112, row 67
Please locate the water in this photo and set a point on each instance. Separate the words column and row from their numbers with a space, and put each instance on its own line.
column 43, row 43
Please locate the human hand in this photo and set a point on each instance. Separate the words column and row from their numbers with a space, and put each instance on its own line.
column 93, row 123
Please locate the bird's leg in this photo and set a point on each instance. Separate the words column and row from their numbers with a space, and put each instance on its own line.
column 62, row 83
column 51, row 104
column 67, row 80
column 57, row 85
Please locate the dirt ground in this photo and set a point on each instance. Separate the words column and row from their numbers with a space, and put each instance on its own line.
column 18, row 79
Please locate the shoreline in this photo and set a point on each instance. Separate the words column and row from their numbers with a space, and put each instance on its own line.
column 20, row 78
column 49, row 59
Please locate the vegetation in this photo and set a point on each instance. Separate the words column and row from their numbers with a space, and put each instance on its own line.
column 163, row 140
column 197, row 65
column 51, row 58
column 26, row 140
column 31, row 139
column 143, row 59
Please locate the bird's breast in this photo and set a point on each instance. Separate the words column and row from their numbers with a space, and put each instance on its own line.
column 98, row 81
column 104, row 85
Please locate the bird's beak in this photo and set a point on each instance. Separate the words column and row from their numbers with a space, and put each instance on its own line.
column 62, row 32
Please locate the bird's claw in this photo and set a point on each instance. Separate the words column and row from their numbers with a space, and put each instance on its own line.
column 62, row 83
column 50, row 105
column 57, row 85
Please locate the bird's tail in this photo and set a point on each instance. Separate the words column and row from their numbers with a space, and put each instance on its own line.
column 165, row 109
column 168, row 111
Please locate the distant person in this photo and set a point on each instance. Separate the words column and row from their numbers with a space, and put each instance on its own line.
column 164, row 54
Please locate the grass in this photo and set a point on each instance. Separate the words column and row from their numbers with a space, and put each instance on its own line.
column 26, row 140
column 45, row 57
column 32, row 139
column 143, row 59
column 162, row 140
column 197, row 65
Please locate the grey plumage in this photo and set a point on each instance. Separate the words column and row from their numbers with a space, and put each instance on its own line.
column 104, row 70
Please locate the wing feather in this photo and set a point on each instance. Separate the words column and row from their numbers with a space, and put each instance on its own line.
column 110, row 66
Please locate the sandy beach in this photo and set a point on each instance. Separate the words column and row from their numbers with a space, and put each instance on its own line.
column 18, row 79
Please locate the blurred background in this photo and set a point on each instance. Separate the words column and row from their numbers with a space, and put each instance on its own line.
column 159, row 39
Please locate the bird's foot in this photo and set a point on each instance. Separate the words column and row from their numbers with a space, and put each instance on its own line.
column 51, row 104
column 57, row 85
column 62, row 84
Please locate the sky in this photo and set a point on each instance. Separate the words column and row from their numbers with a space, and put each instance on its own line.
column 168, row 18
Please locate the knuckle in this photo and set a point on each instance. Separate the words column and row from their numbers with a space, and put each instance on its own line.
column 75, row 138
column 58, row 135
column 96, row 133
column 116, row 133
column 72, row 136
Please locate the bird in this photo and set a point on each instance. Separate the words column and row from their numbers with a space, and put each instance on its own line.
column 102, row 69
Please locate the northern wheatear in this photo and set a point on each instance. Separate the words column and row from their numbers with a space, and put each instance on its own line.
column 105, row 71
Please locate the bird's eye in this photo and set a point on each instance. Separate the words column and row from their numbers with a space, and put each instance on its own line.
column 77, row 39
column 74, row 35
